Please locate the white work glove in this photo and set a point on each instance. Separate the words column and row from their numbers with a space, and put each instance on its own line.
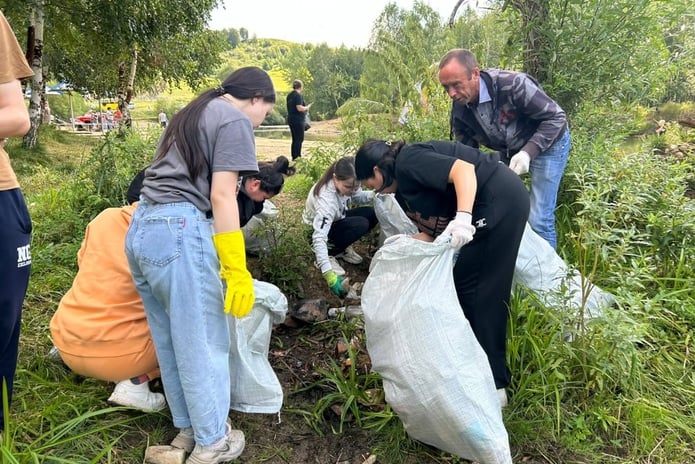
column 520, row 162
column 460, row 231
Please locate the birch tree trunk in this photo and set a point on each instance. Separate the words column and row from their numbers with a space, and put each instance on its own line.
column 125, row 92
column 452, row 18
column 38, row 85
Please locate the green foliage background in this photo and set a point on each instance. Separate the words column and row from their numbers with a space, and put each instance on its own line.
column 622, row 391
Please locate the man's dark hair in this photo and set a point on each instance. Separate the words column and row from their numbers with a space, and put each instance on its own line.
column 464, row 57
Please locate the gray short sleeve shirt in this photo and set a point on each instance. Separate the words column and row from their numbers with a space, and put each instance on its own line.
column 228, row 144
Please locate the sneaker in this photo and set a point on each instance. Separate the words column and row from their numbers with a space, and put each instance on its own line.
column 335, row 266
column 502, row 395
column 350, row 256
column 231, row 449
column 139, row 397
column 184, row 440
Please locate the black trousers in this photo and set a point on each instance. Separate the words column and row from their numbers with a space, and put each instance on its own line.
column 297, row 131
column 15, row 264
column 485, row 266
column 355, row 225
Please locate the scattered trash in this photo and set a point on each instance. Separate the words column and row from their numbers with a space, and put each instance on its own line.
column 164, row 454
column 354, row 290
column 350, row 311
column 314, row 310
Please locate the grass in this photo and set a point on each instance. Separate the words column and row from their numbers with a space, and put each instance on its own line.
column 622, row 391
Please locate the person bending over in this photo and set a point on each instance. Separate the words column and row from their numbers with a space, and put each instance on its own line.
column 457, row 193
column 508, row 111
column 100, row 329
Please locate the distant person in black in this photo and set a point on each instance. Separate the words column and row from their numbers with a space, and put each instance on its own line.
column 296, row 116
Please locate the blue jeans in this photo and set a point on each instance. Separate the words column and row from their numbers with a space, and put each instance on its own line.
column 177, row 273
column 546, row 173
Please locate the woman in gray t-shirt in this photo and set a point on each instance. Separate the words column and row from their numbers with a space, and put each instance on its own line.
column 184, row 234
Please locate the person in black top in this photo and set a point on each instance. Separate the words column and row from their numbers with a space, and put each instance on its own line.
column 254, row 189
column 296, row 116
column 455, row 192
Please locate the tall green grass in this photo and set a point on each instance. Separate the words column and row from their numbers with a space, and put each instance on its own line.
column 622, row 391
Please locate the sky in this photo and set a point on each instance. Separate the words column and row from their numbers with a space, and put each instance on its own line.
column 334, row 22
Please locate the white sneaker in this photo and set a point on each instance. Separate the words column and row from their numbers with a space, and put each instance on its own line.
column 139, row 397
column 231, row 449
column 502, row 395
column 350, row 256
column 184, row 440
column 335, row 266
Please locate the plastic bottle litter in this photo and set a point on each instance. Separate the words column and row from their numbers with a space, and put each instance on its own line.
column 350, row 311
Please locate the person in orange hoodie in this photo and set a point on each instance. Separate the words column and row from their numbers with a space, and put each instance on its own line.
column 100, row 329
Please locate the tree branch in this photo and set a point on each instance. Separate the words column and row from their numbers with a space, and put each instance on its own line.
column 453, row 13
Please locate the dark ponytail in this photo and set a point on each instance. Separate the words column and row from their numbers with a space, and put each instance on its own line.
column 271, row 174
column 379, row 154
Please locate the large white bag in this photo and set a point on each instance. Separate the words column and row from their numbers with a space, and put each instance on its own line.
column 255, row 387
column 538, row 267
column 436, row 376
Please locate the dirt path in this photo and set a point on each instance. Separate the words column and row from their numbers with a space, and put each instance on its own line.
column 269, row 148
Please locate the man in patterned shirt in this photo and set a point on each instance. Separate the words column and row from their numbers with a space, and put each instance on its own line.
column 509, row 112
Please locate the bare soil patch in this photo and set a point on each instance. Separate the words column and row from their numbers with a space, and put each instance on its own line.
column 298, row 352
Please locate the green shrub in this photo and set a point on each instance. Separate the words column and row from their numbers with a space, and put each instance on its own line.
column 286, row 263
column 320, row 158
column 275, row 118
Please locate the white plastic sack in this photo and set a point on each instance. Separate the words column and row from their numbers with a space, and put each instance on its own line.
column 391, row 217
column 538, row 266
column 540, row 269
column 255, row 387
column 256, row 239
column 436, row 376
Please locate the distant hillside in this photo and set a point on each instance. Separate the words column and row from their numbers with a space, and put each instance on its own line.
column 267, row 54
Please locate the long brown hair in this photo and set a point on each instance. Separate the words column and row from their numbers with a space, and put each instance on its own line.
column 244, row 83
column 344, row 169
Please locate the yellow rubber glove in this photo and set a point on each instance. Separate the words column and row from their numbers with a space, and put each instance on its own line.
column 232, row 253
